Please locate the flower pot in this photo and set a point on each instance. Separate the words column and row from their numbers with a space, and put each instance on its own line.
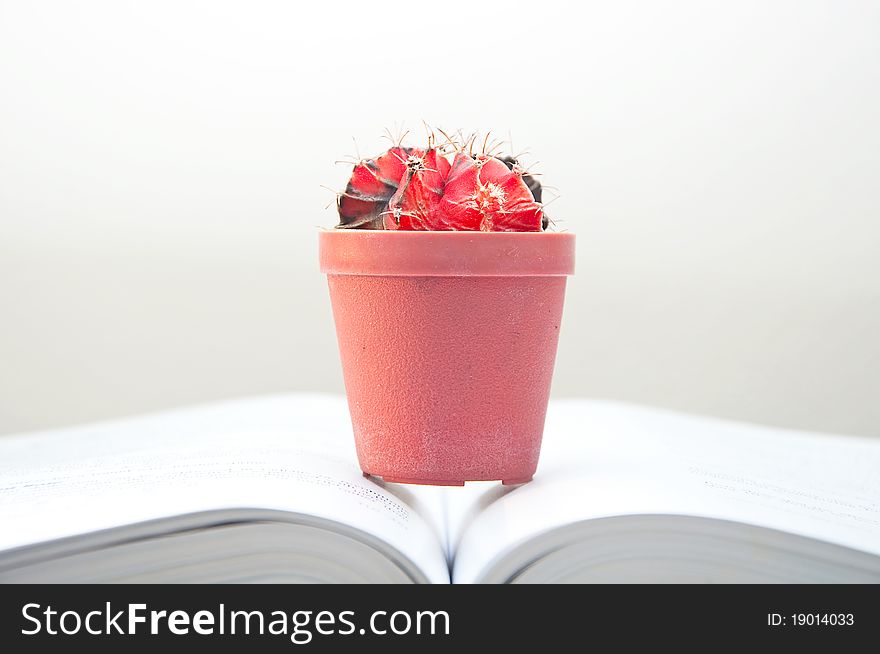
column 447, row 341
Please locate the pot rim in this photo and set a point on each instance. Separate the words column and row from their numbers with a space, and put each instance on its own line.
column 446, row 254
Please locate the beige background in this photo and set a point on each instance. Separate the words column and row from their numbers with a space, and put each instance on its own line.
column 161, row 167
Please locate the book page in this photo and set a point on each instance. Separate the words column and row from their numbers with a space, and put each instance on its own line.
column 284, row 453
column 603, row 459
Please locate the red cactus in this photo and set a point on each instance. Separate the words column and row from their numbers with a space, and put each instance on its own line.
column 418, row 189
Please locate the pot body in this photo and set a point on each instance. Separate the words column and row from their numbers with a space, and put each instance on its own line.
column 447, row 371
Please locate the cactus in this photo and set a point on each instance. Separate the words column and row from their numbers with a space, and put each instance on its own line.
column 421, row 189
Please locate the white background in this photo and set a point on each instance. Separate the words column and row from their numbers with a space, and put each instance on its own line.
column 161, row 167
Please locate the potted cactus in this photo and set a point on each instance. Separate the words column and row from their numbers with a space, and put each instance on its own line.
column 447, row 291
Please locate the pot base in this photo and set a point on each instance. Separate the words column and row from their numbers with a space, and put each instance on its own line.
column 443, row 482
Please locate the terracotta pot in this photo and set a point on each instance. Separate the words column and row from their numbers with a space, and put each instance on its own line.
column 447, row 341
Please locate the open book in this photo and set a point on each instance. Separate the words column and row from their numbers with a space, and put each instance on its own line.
column 268, row 489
